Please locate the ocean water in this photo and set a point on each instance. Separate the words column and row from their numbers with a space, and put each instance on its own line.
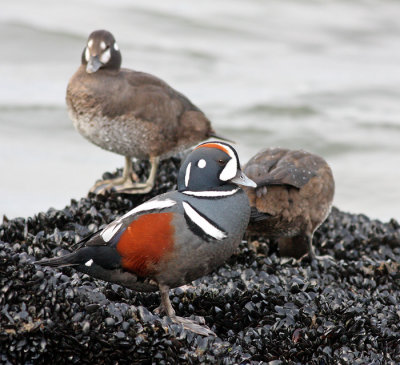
column 323, row 76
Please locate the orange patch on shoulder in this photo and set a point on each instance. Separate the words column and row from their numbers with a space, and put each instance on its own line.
column 214, row 145
column 145, row 242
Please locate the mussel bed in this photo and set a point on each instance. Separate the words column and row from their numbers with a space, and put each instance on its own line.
column 263, row 308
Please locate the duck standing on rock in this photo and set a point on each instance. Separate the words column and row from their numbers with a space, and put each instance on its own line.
column 293, row 197
column 175, row 237
column 131, row 113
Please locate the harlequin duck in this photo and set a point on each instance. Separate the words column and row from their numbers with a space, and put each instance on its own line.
column 293, row 197
column 175, row 237
column 131, row 113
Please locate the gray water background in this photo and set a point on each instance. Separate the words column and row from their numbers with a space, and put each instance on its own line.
column 323, row 76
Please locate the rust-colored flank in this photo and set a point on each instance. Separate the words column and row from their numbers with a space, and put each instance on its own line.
column 145, row 242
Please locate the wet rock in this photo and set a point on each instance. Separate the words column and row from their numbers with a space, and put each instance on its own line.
column 109, row 322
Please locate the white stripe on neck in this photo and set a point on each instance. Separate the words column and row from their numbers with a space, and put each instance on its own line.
column 211, row 193
column 202, row 223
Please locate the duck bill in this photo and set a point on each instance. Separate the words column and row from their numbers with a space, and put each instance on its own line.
column 242, row 179
column 93, row 65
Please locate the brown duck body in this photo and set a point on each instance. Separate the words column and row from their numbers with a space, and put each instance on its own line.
column 133, row 113
column 130, row 113
column 293, row 197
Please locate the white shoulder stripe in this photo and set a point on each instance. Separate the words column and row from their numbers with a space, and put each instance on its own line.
column 205, row 226
column 150, row 205
column 110, row 230
column 211, row 193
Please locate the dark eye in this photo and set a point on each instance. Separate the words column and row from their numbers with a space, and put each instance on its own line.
column 221, row 162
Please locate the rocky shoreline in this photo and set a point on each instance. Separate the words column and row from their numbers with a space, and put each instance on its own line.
column 264, row 309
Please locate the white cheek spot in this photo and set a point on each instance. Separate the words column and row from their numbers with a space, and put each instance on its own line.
column 90, row 43
column 103, row 45
column 105, row 57
column 202, row 163
column 116, row 46
column 229, row 171
column 187, row 174
column 89, row 263
column 87, row 54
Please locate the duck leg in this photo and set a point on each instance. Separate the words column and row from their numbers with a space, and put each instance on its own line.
column 126, row 183
column 127, row 176
column 142, row 188
column 310, row 251
column 300, row 247
column 188, row 324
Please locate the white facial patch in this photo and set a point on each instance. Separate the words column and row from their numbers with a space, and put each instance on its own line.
column 187, row 173
column 90, row 43
column 230, row 170
column 116, row 46
column 202, row 223
column 89, row 263
column 87, row 54
column 105, row 56
column 202, row 163
column 103, row 45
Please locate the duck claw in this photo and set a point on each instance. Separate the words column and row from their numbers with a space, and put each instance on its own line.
column 194, row 325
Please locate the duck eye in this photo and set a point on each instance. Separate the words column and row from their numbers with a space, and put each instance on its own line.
column 221, row 162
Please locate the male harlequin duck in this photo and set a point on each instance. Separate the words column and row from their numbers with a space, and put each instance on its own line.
column 175, row 237
column 131, row 113
column 293, row 197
